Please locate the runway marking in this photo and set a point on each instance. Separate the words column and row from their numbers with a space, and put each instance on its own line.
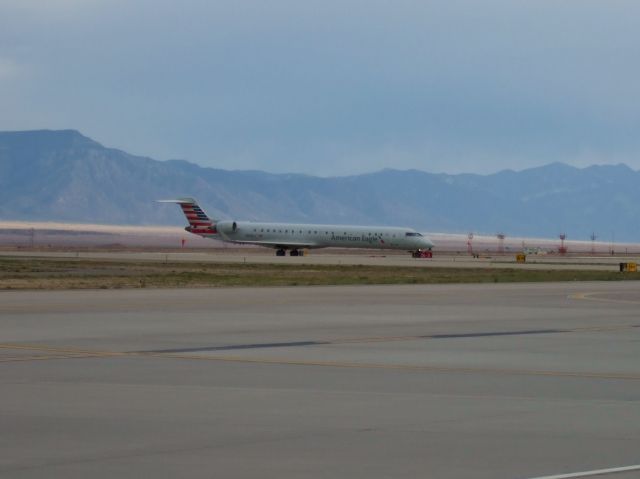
column 334, row 364
column 72, row 353
column 41, row 358
column 592, row 297
column 596, row 472
column 75, row 351
column 404, row 367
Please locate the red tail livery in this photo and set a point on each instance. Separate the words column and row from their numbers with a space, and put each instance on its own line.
column 199, row 223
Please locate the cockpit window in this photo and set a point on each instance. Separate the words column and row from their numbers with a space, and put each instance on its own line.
column 411, row 233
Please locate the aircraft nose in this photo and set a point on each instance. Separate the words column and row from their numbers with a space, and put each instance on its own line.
column 428, row 244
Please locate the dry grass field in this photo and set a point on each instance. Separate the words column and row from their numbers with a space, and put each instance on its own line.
column 58, row 274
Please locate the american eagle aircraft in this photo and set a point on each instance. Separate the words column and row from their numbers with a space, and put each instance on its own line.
column 294, row 237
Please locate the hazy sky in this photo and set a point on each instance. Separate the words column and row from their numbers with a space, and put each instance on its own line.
column 331, row 87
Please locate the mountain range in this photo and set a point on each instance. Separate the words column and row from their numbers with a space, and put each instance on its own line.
column 62, row 175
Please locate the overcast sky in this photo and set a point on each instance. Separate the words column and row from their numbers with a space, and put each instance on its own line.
column 331, row 87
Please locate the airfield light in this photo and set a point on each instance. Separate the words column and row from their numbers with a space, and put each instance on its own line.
column 501, row 237
column 563, row 248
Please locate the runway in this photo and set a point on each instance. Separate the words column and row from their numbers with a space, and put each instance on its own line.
column 345, row 257
column 443, row 381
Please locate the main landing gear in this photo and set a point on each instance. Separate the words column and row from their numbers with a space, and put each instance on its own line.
column 283, row 252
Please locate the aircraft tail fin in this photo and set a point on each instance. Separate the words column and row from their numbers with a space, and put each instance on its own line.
column 199, row 222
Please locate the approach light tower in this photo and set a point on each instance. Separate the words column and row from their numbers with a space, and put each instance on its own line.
column 563, row 248
column 501, row 237
column 593, row 243
column 470, row 244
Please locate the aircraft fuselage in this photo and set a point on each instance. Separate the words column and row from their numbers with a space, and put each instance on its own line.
column 287, row 235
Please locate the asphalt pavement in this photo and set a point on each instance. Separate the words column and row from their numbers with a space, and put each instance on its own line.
column 443, row 381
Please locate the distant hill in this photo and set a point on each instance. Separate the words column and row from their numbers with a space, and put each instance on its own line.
column 65, row 176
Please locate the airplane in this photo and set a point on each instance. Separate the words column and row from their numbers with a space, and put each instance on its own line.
column 295, row 237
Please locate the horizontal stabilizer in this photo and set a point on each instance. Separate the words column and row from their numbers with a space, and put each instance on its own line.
column 180, row 201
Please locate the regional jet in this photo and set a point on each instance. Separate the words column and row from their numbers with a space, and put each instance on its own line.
column 296, row 237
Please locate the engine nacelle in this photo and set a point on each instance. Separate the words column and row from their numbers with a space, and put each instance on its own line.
column 227, row 227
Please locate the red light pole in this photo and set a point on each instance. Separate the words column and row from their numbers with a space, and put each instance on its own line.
column 563, row 248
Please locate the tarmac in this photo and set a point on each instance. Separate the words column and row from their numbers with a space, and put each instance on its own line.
column 495, row 381
column 345, row 257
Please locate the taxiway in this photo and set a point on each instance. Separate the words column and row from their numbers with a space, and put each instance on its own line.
column 447, row 381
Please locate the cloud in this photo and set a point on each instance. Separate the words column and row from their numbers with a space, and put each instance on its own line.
column 332, row 86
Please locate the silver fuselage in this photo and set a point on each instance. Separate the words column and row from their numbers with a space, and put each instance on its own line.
column 291, row 235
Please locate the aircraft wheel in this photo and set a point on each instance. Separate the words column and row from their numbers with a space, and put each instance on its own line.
column 281, row 252
column 294, row 252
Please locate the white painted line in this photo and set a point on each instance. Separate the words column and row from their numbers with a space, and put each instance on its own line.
column 598, row 472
